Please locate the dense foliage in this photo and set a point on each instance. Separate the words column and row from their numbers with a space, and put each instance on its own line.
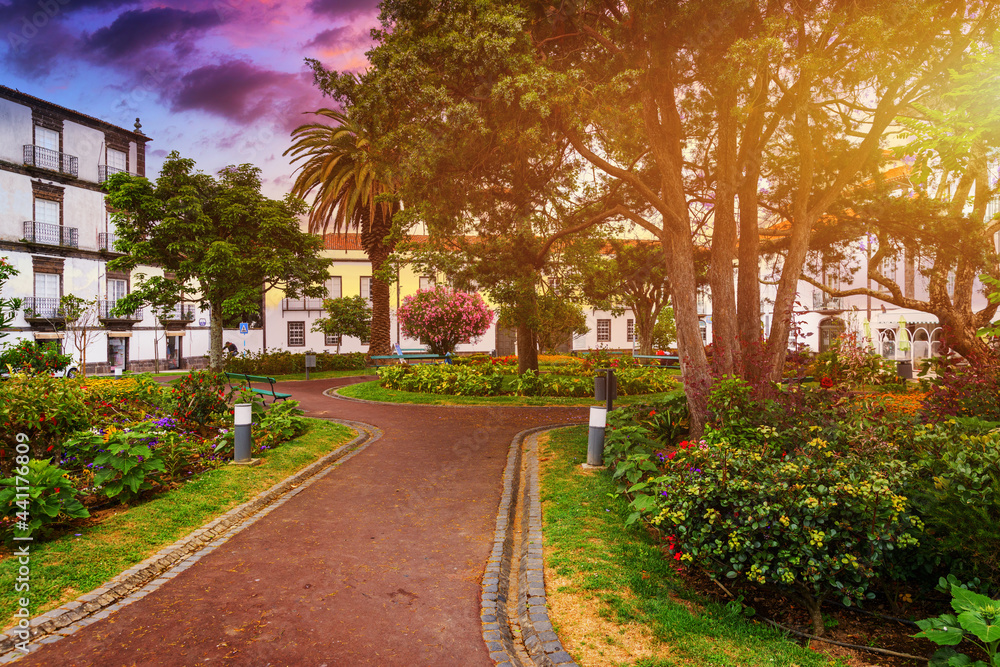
column 87, row 442
column 34, row 356
column 283, row 362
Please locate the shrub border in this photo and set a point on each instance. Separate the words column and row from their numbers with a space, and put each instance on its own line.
column 147, row 576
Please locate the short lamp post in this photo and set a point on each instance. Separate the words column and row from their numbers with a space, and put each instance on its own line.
column 605, row 389
column 242, row 418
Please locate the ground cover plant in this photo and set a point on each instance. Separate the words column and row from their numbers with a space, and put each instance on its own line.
column 87, row 444
column 497, row 378
column 116, row 537
column 862, row 492
column 613, row 596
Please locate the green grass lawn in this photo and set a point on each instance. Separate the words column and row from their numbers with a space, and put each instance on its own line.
column 371, row 391
column 615, row 599
column 83, row 559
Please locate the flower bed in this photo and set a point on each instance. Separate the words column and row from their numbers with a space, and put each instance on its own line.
column 496, row 378
column 88, row 443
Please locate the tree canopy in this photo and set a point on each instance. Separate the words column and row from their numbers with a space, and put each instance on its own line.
column 219, row 241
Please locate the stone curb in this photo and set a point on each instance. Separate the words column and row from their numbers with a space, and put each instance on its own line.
column 537, row 639
column 145, row 577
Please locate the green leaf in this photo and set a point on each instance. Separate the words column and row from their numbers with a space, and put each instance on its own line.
column 974, row 622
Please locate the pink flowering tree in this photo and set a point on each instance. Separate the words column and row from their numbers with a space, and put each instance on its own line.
column 441, row 318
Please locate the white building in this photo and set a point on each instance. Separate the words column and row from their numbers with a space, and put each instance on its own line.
column 55, row 229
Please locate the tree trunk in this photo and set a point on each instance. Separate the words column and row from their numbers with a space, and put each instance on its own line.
column 215, row 338
column 645, row 320
column 725, row 353
column 690, row 347
column 748, row 319
column 381, row 341
column 527, row 341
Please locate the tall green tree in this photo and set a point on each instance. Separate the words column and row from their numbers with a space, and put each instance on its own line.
column 351, row 191
column 346, row 316
column 219, row 241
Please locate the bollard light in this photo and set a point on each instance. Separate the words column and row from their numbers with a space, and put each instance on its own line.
column 242, row 418
column 595, row 437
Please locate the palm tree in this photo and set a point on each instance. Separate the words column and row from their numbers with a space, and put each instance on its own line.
column 343, row 178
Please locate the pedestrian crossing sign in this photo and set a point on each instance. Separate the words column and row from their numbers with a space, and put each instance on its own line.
column 244, row 328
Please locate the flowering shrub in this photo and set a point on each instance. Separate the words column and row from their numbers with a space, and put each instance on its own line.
column 808, row 521
column 962, row 390
column 851, row 359
column 32, row 356
column 45, row 408
column 442, row 318
column 200, row 398
column 51, row 500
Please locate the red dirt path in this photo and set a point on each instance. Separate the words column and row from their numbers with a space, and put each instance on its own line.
column 378, row 563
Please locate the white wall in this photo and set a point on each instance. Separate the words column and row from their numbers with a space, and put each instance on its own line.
column 16, row 204
column 15, row 119
column 87, row 144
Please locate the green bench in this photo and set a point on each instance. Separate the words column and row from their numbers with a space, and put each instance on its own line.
column 260, row 379
column 663, row 360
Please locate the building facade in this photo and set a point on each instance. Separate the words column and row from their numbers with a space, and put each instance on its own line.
column 56, row 230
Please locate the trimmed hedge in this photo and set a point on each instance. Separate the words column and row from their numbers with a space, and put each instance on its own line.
column 282, row 362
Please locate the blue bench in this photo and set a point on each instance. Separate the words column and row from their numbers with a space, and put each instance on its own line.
column 663, row 360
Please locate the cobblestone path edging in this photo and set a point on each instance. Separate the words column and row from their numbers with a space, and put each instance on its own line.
column 533, row 642
column 147, row 576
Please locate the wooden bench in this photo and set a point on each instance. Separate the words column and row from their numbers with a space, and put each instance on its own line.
column 261, row 379
column 379, row 360
column 663, row 360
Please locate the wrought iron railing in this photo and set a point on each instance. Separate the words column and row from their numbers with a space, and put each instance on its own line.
column 46, row 158
column 823, row 301
column 42, row 308
column 106, row 306
column 106, row 241
column 106, row 171
column 302, row 304
column 49, row 234
column 179, row 313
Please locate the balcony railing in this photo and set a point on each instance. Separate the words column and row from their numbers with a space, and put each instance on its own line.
column 823, row 301
column 302, row 304
column 104, row 308
column 49, row 234
column 106, row 241
column 46, row 158
column 104, row 172
column 42, row 308
column 179, row 313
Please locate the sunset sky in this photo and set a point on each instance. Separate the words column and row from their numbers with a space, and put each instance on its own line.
column 220, row 81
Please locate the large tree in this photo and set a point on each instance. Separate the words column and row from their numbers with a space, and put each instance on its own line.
column 351, row 191
column 677, row 107
column 219, row 241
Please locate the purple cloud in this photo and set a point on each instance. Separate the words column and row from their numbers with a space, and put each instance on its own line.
column 344, row 37
column 233, row 89
column 343, row 7
column 137, row 30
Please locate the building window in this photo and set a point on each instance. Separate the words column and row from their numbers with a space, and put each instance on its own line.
column 117, row 289
column 603, row 331
column 47, row 211
column 703, row 327
column 333, row 340
column 427, row 282
column 829, row 329
column 296, row 334
column 116, row 161
column 46, row 138
column 630, row 331
column 366, row 289
column 333, row 290
column 47, row 286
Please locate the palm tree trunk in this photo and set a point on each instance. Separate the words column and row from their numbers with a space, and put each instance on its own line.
column 381, row 342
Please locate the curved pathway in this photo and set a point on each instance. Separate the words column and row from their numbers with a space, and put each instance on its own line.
column 378, row 563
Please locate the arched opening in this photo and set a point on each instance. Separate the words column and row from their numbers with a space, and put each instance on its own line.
column 829, row 329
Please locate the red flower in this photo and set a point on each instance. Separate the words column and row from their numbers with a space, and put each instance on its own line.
column 57, row 489
column 652, row 412
column 825, row 381
column 677, row 556
column 671, row 455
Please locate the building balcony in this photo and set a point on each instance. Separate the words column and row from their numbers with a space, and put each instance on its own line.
column 106, row 242
column 46, row 158
column 823, row 301
column 178, row 317
column 302, row 304
column 104, row 172
column 46, row 233
column 43, row 311
column 105, row 314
